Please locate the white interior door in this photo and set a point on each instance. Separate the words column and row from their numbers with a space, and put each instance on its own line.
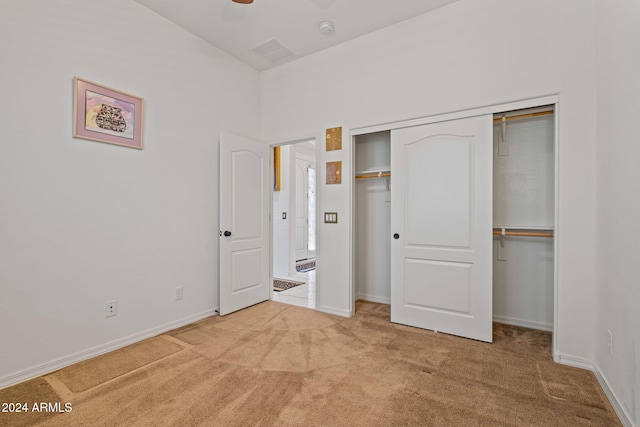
column 441, row 217
column 302, row 209
column 244, row 222
column 311, row 220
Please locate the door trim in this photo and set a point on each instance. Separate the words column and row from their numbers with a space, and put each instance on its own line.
column 462, row 114
column 551, row 99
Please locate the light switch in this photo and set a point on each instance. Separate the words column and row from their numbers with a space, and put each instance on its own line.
column 331, row 217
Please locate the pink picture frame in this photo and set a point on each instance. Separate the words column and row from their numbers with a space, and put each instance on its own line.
column 107, row 115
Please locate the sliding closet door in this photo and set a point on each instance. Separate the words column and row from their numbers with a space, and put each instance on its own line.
column 441, row 220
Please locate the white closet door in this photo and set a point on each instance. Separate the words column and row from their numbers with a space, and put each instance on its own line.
column 441, row 217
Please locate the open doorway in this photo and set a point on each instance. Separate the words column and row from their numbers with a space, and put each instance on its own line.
column 294, row 225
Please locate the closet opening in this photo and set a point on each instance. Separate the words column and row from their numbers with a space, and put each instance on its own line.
column 523, row 192
column 524, row 218
column 372, row 213
column 294, row 224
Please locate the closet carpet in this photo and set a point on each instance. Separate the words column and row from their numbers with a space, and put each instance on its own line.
column 281, row 365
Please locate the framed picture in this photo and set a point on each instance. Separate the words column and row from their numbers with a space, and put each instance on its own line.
column 107, row 115
column 334, row 171
column 334, row 139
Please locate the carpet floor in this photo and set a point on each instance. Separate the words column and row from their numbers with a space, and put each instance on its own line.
column 279, row 365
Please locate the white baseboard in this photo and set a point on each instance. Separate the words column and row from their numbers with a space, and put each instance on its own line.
column 531, row 324
column 62, row 362
column 625, row 417
column 374, row 298
column 333, row 310
column 575, row 361
column 579, row 362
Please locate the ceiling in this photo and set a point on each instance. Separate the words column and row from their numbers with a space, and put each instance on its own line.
column 292, row 26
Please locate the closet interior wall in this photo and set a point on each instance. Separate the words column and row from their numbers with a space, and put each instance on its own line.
column 372, row 258
column 523, row 201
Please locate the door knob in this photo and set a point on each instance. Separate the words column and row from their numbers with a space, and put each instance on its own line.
column 396, row 236
column 227, row 233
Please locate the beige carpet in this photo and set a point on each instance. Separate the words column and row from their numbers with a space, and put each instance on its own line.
column 274, row 364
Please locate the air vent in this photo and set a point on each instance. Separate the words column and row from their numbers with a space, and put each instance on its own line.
column 273, row 51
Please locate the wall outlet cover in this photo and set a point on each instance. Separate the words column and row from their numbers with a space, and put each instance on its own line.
column 110, row 308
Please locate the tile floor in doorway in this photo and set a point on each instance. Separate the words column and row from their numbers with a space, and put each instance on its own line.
column 303, row 295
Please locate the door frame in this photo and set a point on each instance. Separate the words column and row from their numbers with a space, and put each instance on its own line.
column 272, row 145
column 553, row 99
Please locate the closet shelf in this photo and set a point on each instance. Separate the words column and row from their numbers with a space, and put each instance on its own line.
column 523, row 231
column 523, row 116
column 373, row 174
column 524, row 227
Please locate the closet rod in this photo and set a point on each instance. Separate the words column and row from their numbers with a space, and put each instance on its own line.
column 525, row 116
column 374, row 175
column 523, row 233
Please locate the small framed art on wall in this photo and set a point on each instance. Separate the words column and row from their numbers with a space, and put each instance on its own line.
column 107, row 115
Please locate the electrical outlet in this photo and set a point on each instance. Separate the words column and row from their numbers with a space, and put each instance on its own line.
column 610, row 341
column 179, row 292
column 110, row 308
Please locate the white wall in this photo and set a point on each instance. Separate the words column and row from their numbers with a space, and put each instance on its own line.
column 469, row 54
column 618, row 195
column 83, row 222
